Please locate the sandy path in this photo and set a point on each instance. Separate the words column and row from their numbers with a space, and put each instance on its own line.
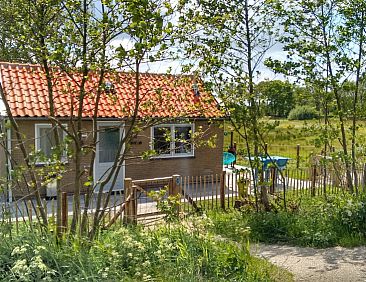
column 308, row 264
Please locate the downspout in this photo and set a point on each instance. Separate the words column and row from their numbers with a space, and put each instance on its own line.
column 7, row 144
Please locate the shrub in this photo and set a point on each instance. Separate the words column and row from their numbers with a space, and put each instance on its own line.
column 317, row 222
column 303, row 113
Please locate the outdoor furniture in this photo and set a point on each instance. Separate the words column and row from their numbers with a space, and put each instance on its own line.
column 280, row 162
column 228, row 158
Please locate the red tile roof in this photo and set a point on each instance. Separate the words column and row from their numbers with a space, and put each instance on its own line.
column 161, row 95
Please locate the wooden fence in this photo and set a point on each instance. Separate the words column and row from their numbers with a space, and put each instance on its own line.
column 197, row 193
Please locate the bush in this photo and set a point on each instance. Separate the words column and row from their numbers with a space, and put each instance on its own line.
column 303, row 113
column 318, row 222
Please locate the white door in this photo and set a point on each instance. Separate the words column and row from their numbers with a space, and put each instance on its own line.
column 109, row 136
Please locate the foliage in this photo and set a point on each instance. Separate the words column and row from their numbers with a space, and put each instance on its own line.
column 11, row 50
column 84, row 41
column 183, row 252
column 231, row 39
column 277, row 97
column 305, row 95
column 303, row 113
column 169, row 205
column 318, row 222
column 324, row 41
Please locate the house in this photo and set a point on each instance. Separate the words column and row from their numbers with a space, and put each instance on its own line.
column 169, row 106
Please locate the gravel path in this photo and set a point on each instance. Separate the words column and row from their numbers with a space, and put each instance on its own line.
column 308, row 264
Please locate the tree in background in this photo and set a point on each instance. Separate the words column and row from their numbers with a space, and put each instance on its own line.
column 277, row 97
column 305, row 95
column 324, row 42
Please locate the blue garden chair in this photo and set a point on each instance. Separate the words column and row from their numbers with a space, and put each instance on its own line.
column 228, row 158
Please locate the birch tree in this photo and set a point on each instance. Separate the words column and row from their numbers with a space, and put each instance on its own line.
column 228, row 46
column 76, row 39
column 324, row 41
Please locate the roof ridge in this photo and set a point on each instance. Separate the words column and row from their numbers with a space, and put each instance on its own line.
column 34, row 65
column 19, row 64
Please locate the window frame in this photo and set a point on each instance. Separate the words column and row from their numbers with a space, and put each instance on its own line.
column 172, row 153
column 37, row 140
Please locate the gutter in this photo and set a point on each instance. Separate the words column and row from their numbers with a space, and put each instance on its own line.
column 124, row 119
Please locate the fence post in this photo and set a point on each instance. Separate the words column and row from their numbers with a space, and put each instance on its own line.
column 297, row 155
column 174, row 185
column 174, row 189
column 266, row 149
column 131, row 208
column 222, row 190
column 273, row 179
column 64, row 212
column 364, row 178
column 30, row 211
column 313, row 180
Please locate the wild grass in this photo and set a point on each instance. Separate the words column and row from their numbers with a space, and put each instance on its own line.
column 186, row 251
column 312, row 221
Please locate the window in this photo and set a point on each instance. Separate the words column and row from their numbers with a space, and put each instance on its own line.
column 45, row 141
column 173, row 140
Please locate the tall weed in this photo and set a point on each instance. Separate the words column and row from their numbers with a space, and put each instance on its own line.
column 174, row 252
column 317, row 221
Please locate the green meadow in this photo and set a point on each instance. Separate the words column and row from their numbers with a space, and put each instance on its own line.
column 284, row 136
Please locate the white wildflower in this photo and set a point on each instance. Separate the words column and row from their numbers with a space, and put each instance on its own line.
column 21, row 268
column 114, row 253
column 19, row 250
column 37, row 263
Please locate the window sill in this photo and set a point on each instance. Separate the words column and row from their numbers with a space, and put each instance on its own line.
column 172, row 157
column 46, row 164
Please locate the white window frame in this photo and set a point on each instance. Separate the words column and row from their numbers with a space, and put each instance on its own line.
column 37, row 140
column 172, row 153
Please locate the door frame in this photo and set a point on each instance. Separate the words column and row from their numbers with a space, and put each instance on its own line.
column 121, row 133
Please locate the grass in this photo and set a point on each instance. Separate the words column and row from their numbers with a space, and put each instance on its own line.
column 308, row 221
column 185, row 251
column 283, row 138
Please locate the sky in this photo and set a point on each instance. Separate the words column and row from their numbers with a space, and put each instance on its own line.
column 275, row 52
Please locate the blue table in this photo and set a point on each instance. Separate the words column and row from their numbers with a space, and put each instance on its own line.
column 281, row 163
